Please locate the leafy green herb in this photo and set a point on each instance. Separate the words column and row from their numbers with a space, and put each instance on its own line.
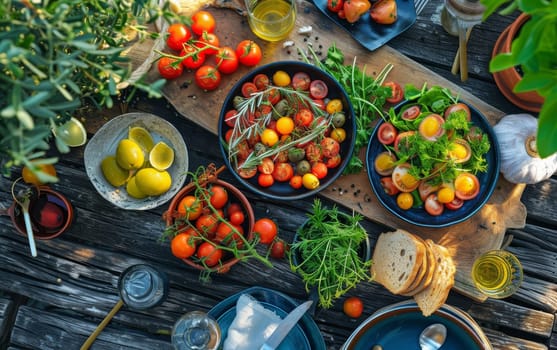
column 366, row 93
column 328, row 253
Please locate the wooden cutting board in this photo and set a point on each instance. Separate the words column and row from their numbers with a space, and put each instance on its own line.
column 467, row 240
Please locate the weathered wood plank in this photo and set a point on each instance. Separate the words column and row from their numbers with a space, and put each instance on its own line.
column 7, row 308
column 504, row 341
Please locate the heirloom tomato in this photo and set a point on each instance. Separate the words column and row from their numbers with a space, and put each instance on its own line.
column 384, row 11
column 248, row 52
column 354, row 9
column 202, row 21
column 283, row 172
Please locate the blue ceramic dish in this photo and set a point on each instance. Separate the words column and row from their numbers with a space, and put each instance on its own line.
column 282, row 190
column 370, row 34
column 418, row 216
column 399, row 326
column 304, row 336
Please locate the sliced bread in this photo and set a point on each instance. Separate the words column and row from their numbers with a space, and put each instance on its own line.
column 434, row 296
column 397, row 258
column 425, row 281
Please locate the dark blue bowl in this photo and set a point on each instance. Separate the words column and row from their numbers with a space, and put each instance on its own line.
column 283, row 191
column 418, row 216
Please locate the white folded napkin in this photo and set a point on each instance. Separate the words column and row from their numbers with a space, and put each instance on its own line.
column 252, row 325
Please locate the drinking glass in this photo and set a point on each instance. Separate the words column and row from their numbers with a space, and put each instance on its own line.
column 497, row 273
column 271, row 20
column 196, row 331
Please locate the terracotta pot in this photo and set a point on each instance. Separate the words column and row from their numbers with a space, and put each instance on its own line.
column 234, row 196
column 51, row 214
column 508, row 78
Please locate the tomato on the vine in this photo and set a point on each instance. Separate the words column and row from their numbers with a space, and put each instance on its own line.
column 237, row 217
column 190, row 207
column 219, row 196
column 248, row 52
column 227, row 61
column 202, row 21
column 209, row 42
column 353, row 307
column 170, row 68
column 278, row 249
column 207, row 77
column 193, row 58
column 335, row 5
column 209, row 254
column 178, row 35
column 266, row 229
column 396, row 92
column 182, row 245
column 207, row 223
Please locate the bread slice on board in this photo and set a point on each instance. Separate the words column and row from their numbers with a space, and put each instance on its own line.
column 430, row 264
column 434, row 296
column 397, row 258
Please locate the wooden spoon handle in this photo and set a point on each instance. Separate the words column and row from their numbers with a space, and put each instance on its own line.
column 101, row 325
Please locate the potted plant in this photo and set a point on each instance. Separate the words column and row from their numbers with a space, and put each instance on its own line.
column 59, row 56
column 534, row 52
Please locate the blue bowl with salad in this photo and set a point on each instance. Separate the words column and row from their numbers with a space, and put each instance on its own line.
column 433, row 161
column 287, row 130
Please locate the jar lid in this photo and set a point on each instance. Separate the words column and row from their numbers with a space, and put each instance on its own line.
column 142, row 286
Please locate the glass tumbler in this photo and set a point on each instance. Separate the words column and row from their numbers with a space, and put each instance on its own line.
column 497, row 274
column 196, row 331
column 271, row 20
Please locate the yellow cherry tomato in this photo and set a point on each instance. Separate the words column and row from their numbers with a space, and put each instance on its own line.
column 310, row 181
column 285, row 125
column 445, row 195
column 404, row 200
column 281, row 78
column 269, row 137
column 338, row 134
column 334, row 106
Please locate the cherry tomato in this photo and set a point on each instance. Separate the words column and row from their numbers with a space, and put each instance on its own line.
column 223, row 230
column 267, row 166
column 402, row 178
column 265, row 180
column 314, row 153
column 247, row 173
column 207, row 77
column 237, row 217
column 230, row 117
column 425, row 189
column 182, row 245
column 433, row 206
column 455, row 204
column 318, row 89
column 266, row 229
column 303, row 117
column 411, row 112
column 329, row 147
column 192, row 57
column 310, row 181
column 269, row 137
column 209, row 254
column 334, row 106
column 401, row 139
column 233, row 207
column 396, row 92
column 285, row 125
column 202, row 21
column 278, row 249
column 261, row 81
column 301, row 81
column 319, row 169
column 353, row 307
column 338, row 134
column 227, row 61
column 388, row 186
column 458, row 107
column 333, row 162
column 248, row 52
column 445, row 195
column 219, row 196
column 384, row 163
column 341, row 14
column 335, row 5
column 190, row 207
column 207, row 224
column 386, row 134
column 296, row 182
column 384, row 11
column 281, row 78
column 283, row 172
column 178, row 35
column 248, row 88
column 209, row 42
column 467, row 186
column 170, row 68
column 404, row 200
column 320, row 103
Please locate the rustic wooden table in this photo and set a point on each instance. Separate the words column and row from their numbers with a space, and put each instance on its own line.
column 56, row 300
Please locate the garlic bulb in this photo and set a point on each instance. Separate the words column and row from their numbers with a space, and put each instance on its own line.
column 520, row 162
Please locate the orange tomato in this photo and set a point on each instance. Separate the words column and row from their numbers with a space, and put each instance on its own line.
column 182, row 246
column 353, row 307
column 190, row 207
column 384, row 11
column 30, row 176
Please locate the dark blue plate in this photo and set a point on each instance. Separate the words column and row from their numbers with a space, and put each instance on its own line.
column 373, row 35
column 305, row 335
column 400, row 325
column 418, row 216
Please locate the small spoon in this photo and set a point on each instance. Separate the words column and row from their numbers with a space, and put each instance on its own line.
column 23, row 201
column 433, row 336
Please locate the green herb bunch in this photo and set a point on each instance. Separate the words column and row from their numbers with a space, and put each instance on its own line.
column 58, row 55
column 329, row 253
column 367, row 94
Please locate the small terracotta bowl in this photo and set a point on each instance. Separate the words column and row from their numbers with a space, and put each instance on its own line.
column 51, row 214
column 234, row 196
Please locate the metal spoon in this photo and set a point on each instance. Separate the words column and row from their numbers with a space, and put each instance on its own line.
column 23, row 199
column 433, row 336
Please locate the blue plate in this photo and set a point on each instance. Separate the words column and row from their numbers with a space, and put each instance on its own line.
column 370, row 34
column 305, row 335
column 418, row 216
column 399, row 326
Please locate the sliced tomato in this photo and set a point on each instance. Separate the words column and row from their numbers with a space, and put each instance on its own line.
column 389, row 186
column 396, row 92
column 458, row 108
column 401, row 137
column 318, row 89
column 301, row 81
column 467, row 186
column 267, row 166
column 455, row 204
column 411, row 112
column 248, row 88
column 261, row 81
column 387, row 133
column 433, row 206
column 425, row 189
column 402, row 178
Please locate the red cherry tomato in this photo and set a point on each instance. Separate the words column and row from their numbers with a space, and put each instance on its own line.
column 335, row 5
column 202, row 21
column 278, row 249
column 296, row 182
column 266, row 229
column 389, row 186
column 433, row 206
column 193, row 58
column 178, row 35
column 248, row 88
column 261, row 81
column 227, row 61
column 207, row 224
column 396, row 92
column 237, row 217
column 411, row 112
column 301, row 81
column 219, row 196
column 283, row 172
column 265, row 180
column 207, row 77
column 170, row 68
column 353, row 307
column 386, row 134
column 460, row 108
column 319, row 169
column 318, row 89
column 455, row 204
column 209, row 42
column 182, row 245
column 248, row 52
column 425, row 189
column 209, row 254
column 303, row 117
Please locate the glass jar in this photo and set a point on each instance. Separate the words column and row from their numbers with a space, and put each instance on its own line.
column 196, row 331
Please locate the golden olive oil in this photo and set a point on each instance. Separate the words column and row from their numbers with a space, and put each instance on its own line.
column 497, row 274
column 272, row 20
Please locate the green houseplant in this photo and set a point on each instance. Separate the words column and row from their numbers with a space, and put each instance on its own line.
column 535, row 52
column 59, row 55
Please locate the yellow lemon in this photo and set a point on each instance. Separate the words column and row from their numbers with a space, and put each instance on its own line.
column 72, row 133
column 113, row 173
column 142, row 137
column 129, row 155
column 161, row 156
column 131, row 188
column 153, row 182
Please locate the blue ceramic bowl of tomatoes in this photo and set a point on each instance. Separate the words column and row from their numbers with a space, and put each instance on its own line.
column 439, row 198
column 287, row 130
